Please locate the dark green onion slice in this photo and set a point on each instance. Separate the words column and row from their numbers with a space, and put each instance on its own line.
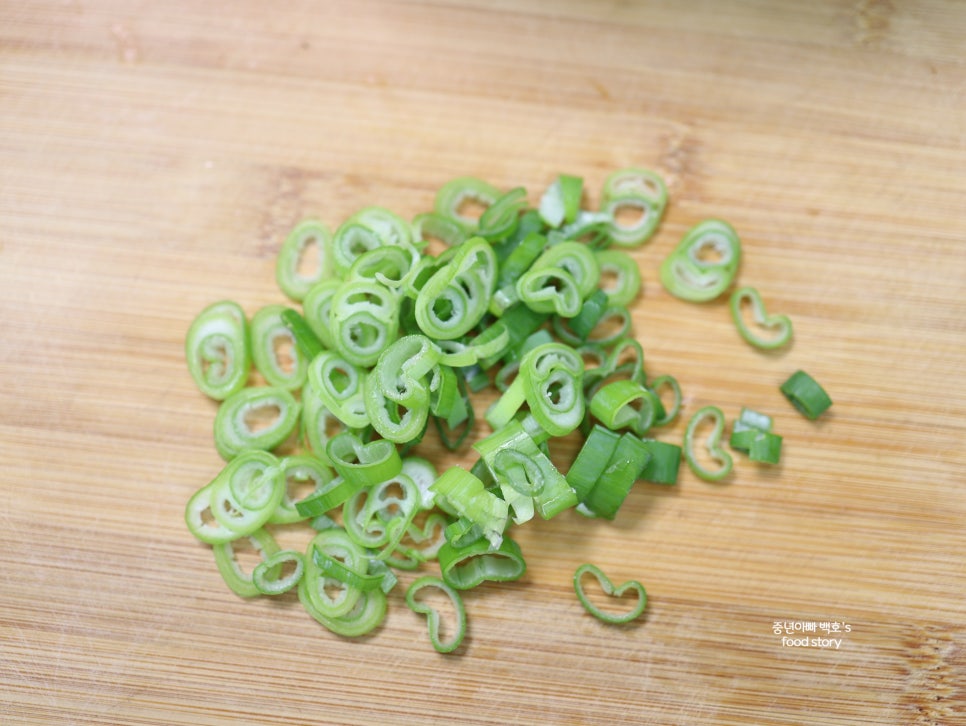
column 806, row 395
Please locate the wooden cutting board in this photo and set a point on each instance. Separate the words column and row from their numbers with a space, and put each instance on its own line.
column 154, row 155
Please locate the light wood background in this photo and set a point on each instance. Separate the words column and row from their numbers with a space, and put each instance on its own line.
column 154, row 154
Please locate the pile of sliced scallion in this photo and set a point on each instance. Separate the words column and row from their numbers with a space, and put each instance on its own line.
column 383, row 342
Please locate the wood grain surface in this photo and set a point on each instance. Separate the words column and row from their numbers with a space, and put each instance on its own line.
column 153, row 155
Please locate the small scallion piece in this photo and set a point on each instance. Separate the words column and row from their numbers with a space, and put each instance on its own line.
column 806, row 395
column 218, row 350
column 711, row 445
column 704, row 263
column 611, row 591
column 771, row 331
column 428, row 582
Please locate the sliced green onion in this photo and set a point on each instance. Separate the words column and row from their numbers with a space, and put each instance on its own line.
column 561, row 202
column 501, row 218
column 390, row 336
column 274, row 350
column 467, row 567
column 377, row 518
column 530, row 222
column 317, row 309
column 340, row 386
column 291, row 257
column 505, row 408
column 806, row 395
column 743, row 430
column 397, row 390
column 352, row 612
column 459, row 492
column 414, row 282
column 518, row 323
column 454, row 194
column 591, row 228
column 363, row 465
column 641, row 190
column 457, row 296
column 550, row 290
column 664, row 463
column 712, row 445
column 218, row 351
column 298, row 471
column 318, row 424
column 306, row 340
column 329, row 496
column 446, row 400
column 592, row 460
column 327, row 595
column 455, row 428
column 670, row 412
column 231, row 524
column 623, row 469
column 424, row 475
column 608, row 587
column 247, row 492
column 761, row 446
column 269, row 577
column 365, row 616
column 552, row 376
column 365, row 231
column 432, row 615
column 389, row 266
column 526, row 477
column 255, row 418
column 625, row 273
column 463, row 532
column 333, row 567
column 613, row 325
column 200, row 521
column 421, row 543
column 521, row 258
column 351, row 240
column 625, row 361
column 238, row 501
column 560, row 279
column 364, row 317
column 389, row 227
column 463, row 354
column 435, row 226
column 626, row 404
column 773, row 331
column 242, row 583
column 704, row 263
column 593, row 309
column 751, row 419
